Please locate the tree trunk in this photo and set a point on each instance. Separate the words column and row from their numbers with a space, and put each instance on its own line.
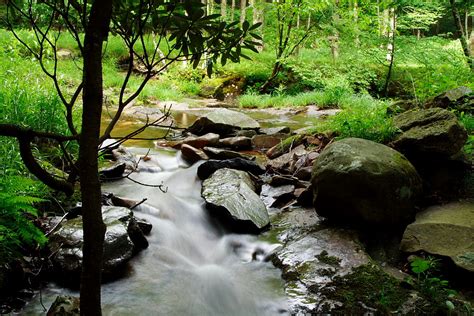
column 243, row 8
column 356, row 23
column 390, row 48
column 93, row 225
column 224, row 9
column 462, row 38
column 275, row 71
column 232, row 10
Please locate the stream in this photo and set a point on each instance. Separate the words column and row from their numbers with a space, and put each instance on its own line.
column 192, row 266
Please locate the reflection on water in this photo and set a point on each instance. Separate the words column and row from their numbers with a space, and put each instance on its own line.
column 191, row 267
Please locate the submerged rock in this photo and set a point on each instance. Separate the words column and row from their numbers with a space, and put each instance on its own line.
column 359, row 181
column 223, row 122
column 445, row 230
column 429, row 132
column 231, row 198
column 209, row 167
column 123, row 238
column 148, row 114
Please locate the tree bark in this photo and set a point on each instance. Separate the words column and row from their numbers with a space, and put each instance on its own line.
column 462, row 38
column 243, row 8
column 224, row 9
column 390, row 48
column 232, row 10
column 93, row 225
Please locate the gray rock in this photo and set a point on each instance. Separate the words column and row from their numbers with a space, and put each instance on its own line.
column 209, row 167
column 231, row 198
column 149, row 114
column 311, row 256
column 223, row 122
column 445, row 230
column 222, row 154
column 427, row 132
column 236, row 142
column 122, row 155
column 275, row 130
column 66, row 243
column 284, row 162
column 360, row 181
column 65, row 305
column 449, row 98
column 285, row 146
column 112, row 173
column 192, row 155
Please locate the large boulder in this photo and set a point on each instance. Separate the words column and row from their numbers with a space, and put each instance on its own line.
column 427, row 132
column 123, row 238
column 231, row 198
column 223, row 122
column 445, row 230
column 359, row 181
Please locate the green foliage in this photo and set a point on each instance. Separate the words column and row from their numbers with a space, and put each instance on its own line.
column 18, row 195
column 366, row 284
column 433, row 288
column 361, row 117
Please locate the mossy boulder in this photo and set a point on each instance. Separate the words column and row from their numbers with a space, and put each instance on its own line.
column 429, row 132
column 231, row 198
column 445, row 230
column 359, row 181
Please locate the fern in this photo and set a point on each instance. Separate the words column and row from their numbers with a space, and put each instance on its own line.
column 18, row 197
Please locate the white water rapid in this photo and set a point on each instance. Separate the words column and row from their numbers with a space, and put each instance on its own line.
column 191, row 267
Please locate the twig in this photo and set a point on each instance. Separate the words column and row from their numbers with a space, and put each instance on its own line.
column 139, row 203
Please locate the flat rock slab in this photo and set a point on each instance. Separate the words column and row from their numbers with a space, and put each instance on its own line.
column 427, row 132
column 231, row 198
column 446, row 230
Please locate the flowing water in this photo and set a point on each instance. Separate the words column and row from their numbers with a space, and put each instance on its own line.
column 192, row 266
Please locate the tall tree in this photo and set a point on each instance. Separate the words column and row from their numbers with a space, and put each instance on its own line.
column 461, row 35
column 183, row 27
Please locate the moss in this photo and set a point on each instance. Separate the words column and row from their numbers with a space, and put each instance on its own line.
column 330, row 260
column 368, row 285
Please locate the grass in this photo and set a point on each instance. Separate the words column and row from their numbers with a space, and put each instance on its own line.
column 362, row 117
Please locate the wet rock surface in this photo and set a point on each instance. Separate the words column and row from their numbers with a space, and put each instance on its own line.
column 192, row 155
column 123, row 238
column 445, row 230
column 231, row 198
column 311, row 256
column 360, row 181
column 209, row 167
